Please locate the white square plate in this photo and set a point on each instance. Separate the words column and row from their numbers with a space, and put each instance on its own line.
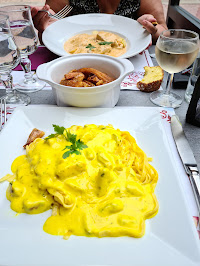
column 170, row 238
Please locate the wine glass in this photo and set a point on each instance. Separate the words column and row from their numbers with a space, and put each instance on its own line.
column 175, row 50
column 22, row 28
column 9, row 59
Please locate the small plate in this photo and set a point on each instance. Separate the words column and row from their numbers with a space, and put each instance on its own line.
column 137, row 38
column 170, row 238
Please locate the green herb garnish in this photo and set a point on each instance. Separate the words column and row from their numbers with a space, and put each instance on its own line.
column 90, row 46
column 105, row 43
column 76, row 145
column 58, row 130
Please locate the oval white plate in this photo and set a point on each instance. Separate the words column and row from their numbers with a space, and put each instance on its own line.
column 137, row 38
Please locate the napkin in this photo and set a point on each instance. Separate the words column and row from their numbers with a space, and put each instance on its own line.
column 166, row 114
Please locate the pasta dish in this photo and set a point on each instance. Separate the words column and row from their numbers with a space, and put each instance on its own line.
column 99, row 42
column 96, row 180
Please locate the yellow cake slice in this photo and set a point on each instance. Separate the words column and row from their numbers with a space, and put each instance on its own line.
column 152, row 79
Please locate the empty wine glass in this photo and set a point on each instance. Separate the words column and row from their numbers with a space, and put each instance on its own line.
column 22, row 28
column 9, row 59
column 175, row 50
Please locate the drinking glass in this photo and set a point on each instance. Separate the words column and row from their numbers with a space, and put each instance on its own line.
column 22, row 28
column 175, row 50
column 193, row 79
column 9, row 59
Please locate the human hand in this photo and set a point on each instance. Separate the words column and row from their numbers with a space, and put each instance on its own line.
column 41, row 20
column 150, row 23
column 147, row 21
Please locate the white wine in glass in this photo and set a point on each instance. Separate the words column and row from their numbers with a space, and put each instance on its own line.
column 9, row 59
column 22, row 28
column 175, row 50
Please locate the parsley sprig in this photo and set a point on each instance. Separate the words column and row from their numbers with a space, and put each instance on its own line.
column 59, row 131
column 76, row 145
column 90, row 46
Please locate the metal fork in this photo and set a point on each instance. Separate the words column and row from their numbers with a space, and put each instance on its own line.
column 61, row 14
column 3, row 108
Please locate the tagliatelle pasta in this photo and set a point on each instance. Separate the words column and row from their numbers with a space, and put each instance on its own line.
column 104, row 189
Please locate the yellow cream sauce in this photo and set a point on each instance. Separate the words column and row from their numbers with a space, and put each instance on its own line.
column 93, row 43
column 107, row 190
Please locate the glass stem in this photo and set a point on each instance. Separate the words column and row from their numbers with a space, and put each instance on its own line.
column 169, row 83
column 26, row 66
column 7, row 81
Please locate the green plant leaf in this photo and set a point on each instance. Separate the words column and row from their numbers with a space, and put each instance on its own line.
column 59, row 130
column 71, row 137
column 76, row 145
column 51, row 136
column 67, row 147
column 67, row 154
column 90, row 46
column 80, row 145
column 77, row 152
column 105, row 43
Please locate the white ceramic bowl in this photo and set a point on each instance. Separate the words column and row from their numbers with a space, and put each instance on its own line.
column 100, row 96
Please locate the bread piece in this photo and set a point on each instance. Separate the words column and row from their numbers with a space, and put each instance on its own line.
column 152, row 79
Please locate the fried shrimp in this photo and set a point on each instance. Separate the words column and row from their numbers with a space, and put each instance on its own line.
column 36, row 133
column 91, row 71
column 85, row 77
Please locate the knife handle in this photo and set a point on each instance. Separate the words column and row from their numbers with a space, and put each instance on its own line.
column 195, row 181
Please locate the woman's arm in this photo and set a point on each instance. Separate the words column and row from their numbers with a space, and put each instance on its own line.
column 152, row 11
